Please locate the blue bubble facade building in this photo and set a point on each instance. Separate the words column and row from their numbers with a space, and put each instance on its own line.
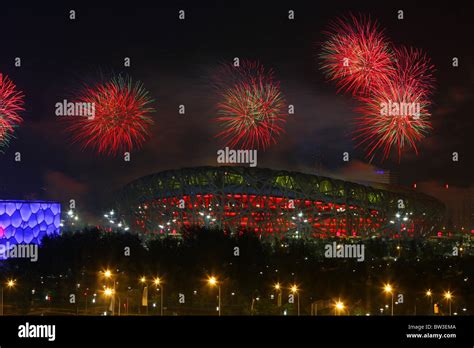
column 27, row 222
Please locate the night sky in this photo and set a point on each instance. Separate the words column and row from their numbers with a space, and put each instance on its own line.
column 174, row 58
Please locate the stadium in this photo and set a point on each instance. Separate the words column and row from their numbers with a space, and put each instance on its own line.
column 275, row 204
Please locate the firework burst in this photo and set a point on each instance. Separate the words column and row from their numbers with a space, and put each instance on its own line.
column 356, row 55
column 11, row 103
column 122, row 117
column 251, row 110
column 396, row 113
column 228, row 75
column 413, row 68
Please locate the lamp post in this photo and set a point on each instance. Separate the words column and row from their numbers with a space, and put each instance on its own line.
column 430, row 295
column 108, row 275
column 277, row 287
column 159, row 282
column 119, row 304
column 294, row 289
column 212, row 281
column 143, row 281
column 448, row 296
column 389, row 290
column 338, row 307
column 10, row 284
column 108, row 292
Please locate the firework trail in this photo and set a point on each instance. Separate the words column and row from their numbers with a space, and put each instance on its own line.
column 356, row 55
column 396, row 113
column 122, row 116
column 251, row 110
column 11, row 103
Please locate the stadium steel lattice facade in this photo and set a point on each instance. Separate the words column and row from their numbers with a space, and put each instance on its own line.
column 275, row 203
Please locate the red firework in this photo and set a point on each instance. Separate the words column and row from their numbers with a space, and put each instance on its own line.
column 11, row 103
column 413, row 67
column 228, row 75
column 251, row 114
column 122, row 117
column 251, row 110
column 395, row 113
column 356, row 55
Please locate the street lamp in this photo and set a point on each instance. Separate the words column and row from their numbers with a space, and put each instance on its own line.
column 108, row 275
column 430, row 295
column 143, row 281
column 338, row 307
column 448, row 296
column 294, row 289
column 389, row 290
column 10, row 284
column 212, row 281
column 158, row 282
column 108, row 292
column 277, row 287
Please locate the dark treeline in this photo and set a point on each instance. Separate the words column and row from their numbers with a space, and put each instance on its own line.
column 246, row 266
